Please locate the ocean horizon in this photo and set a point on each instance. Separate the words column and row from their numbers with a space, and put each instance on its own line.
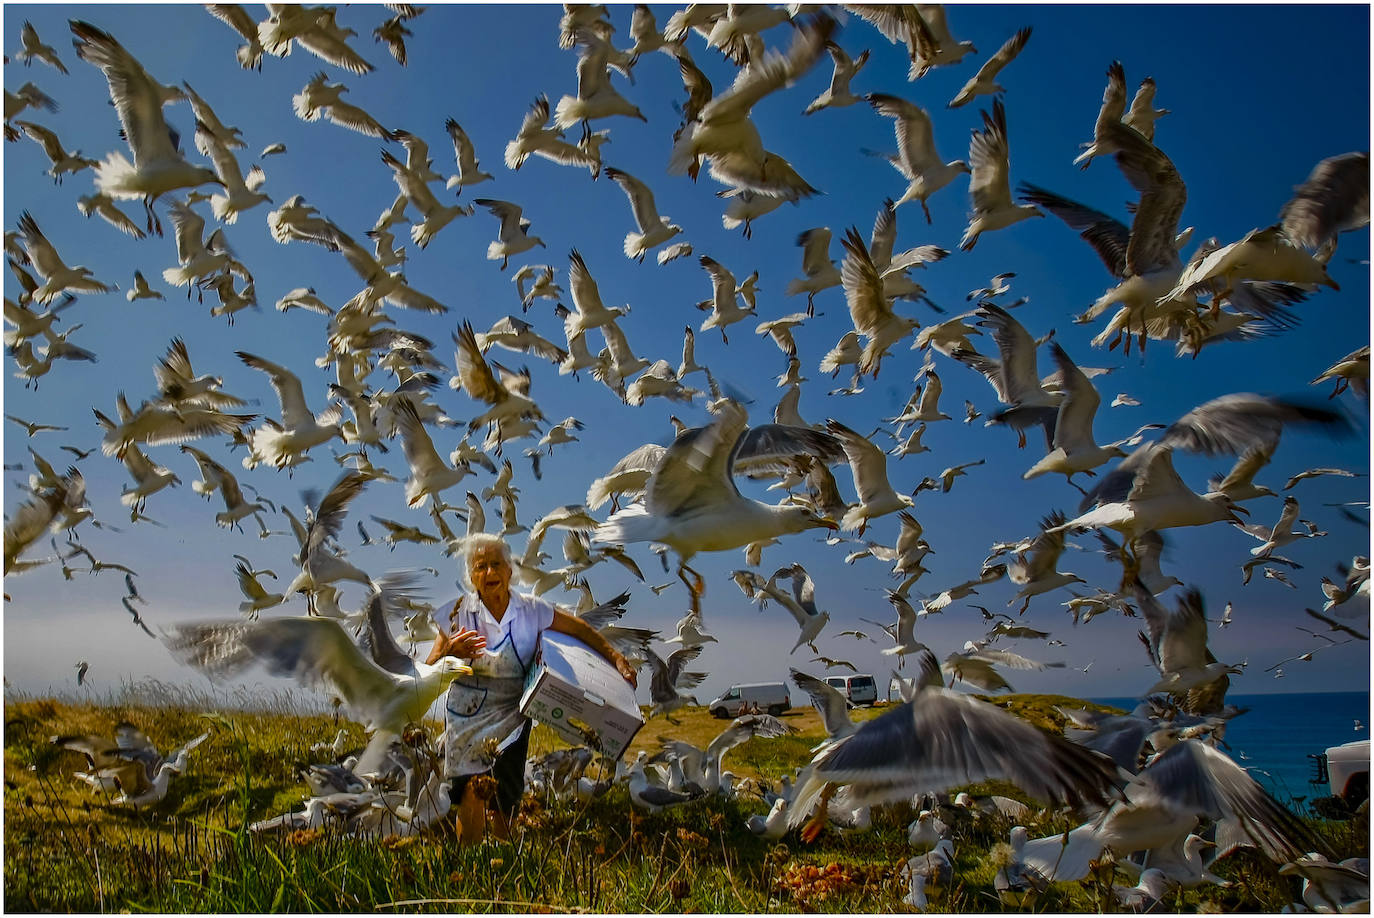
column 1273, row 739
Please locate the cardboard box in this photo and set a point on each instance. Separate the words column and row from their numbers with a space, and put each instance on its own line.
column 581, row 696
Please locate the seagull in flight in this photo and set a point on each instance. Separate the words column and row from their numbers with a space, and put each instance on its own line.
column 654, row 230
column 938, row 740
column 691, row 502
column 158, row 166
column 318, row 653
column 990, row 187
column 984, row 82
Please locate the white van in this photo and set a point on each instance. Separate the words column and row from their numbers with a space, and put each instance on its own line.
column 769, row 697
column 1347, row 768
column 859, row 688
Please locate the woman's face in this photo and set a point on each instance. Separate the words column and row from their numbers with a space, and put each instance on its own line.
column 489, row 571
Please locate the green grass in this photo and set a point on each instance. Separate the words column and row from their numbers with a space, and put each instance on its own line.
column 67, row 849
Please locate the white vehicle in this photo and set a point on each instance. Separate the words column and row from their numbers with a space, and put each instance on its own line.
column 1347, row 766
column 765, row 697
column 859, row 689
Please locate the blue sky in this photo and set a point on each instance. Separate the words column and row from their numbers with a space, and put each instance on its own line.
column 1248, row 123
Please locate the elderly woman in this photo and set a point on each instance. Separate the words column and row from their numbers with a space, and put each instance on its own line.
column 498, row 631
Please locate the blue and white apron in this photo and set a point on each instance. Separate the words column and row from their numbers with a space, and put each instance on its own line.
column 482, row 710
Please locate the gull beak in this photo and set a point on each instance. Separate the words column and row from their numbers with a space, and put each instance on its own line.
column 829, row 523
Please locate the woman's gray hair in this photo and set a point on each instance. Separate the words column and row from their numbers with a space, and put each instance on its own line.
column 478, row 541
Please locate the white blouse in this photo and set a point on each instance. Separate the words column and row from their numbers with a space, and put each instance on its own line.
column 525, row 618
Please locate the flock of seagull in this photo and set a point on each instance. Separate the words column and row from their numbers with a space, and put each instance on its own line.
column 1149, row 785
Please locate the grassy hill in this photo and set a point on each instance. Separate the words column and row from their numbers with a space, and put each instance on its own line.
column 69, row 849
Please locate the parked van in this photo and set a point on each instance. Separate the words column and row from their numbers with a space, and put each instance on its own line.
column 859, row 689
column 770, row 697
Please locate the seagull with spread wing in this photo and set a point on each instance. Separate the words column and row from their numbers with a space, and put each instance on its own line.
column 724, row 134
column 989, row 185
column 941, row 739
column 869, row 308
column 57, row 277
column 318, row 653
column 691, row 501
column 158, row 165
column 654, row 230
column 868, row 464
column 984, row 82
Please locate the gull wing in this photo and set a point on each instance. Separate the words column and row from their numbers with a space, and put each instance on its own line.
column 512, row 227
column 942, row 739
column 815, row 245
column 989, row 183
column 1162, row 196
column 1193, row 777
column 869, row 310
column 641, row 199
column 1236, row 422
column 1043, row 555
column 1335, row 198
column 376, row 639
column 916, row 151
column 1157, row 477
column 697, row 469
column 1108, row 236
column 333, row 507
column 137, row 98
column 585, row 293
column 906, row 619
column 774, row 446
column 1019, row 374
column 722, row 280
column 41, row 253
column 1073, row 429
column 867, row 461
column 828, row 701
column 475, row 375
column 775, row 71
column 464, row 153
column 744, row 728
column 314, row 651
column 415, row 441
column 294, row 412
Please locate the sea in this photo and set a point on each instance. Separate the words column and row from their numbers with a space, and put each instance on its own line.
column 1273, row 739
